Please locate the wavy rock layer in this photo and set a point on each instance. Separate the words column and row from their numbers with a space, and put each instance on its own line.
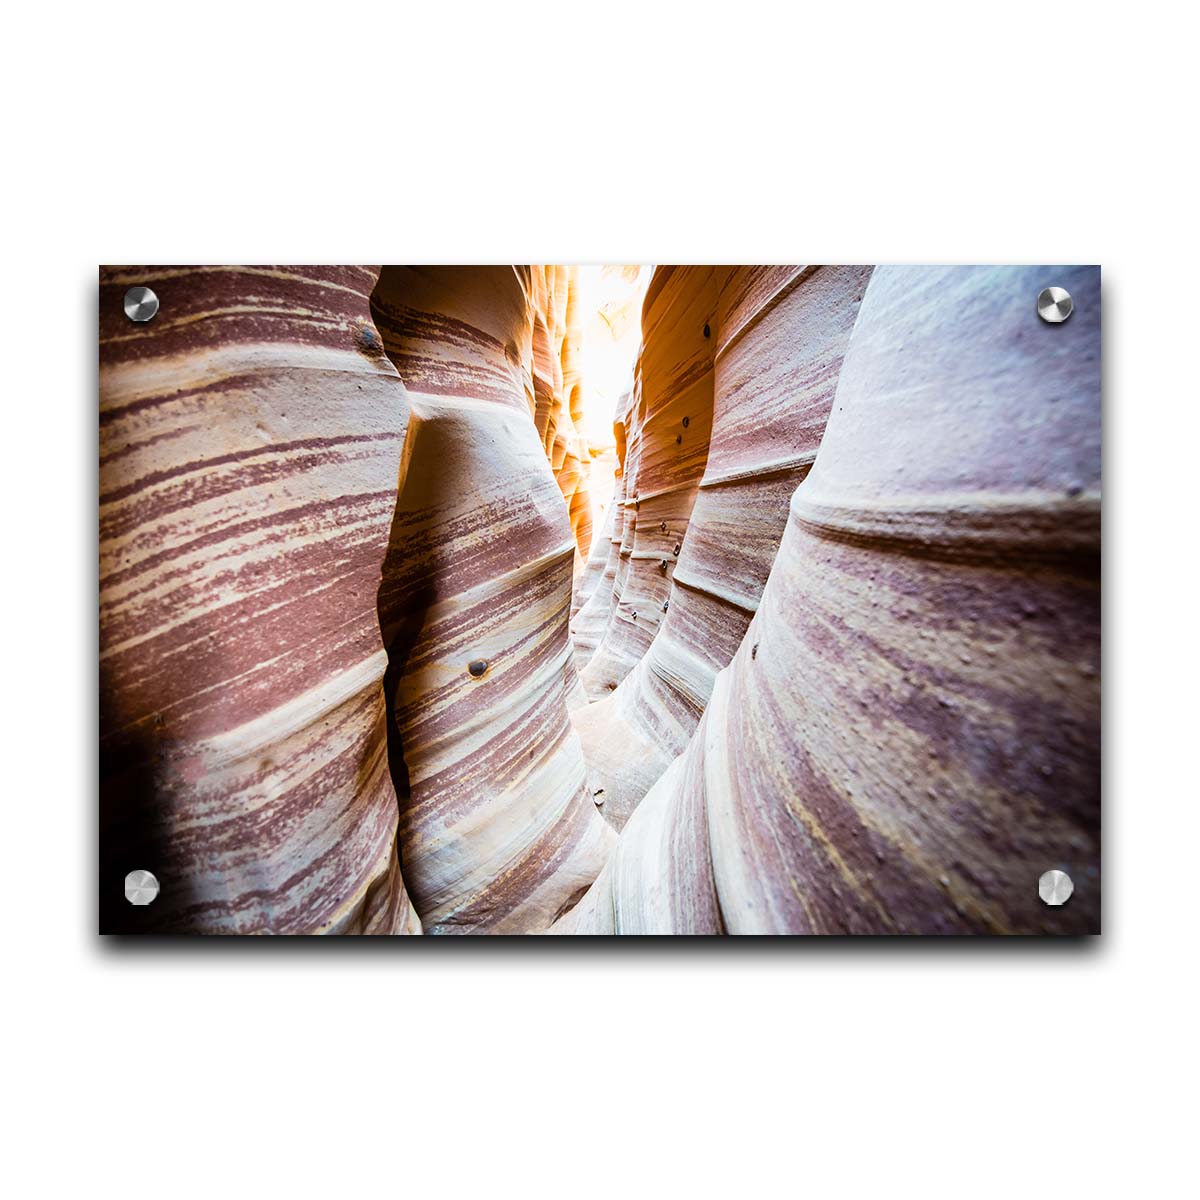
column 604, row 472
column 553, row 298
column 664, row 450
column 590, row 580
column 780, row 333
column 908, row 735
column 498, row 830
column 249, row 440
column 589, row 622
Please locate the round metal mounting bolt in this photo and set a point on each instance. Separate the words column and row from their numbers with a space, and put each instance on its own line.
column 662, row 565
column 1055, row 305
column 140, row 887
column 663, row 526
column 478, row 667
column 140, row 304
column 686, row 422
column 676, row 550
column 1055, row 888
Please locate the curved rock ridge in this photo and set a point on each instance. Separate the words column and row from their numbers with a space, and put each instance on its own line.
column 589, row 580
column 592, row 595
column 666, row 435
column 574, row 471
column 591, row 621
column 602, row 490
column 558, row 392
column 498, row 830
column 908, row 735
column 780, row 333
column 250, row 436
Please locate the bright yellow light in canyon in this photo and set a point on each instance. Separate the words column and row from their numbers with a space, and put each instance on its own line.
column 611, row 301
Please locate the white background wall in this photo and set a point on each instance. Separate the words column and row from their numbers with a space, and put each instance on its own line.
column 761, row 132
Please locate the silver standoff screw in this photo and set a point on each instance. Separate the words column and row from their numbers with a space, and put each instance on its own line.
column 1055, row 305
column 140, row 304
column 1055, row 888
column 140, row 887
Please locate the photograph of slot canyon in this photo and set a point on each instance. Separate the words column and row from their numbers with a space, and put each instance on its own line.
column 600, row 600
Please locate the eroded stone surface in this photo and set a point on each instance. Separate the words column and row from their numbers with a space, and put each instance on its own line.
column 498, row 831
column 908, row 734
column 249, row 441
column 778, row 335
column 840, row 632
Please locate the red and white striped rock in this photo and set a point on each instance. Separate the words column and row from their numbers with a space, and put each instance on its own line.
column 498, row 830
column 665, row 446
column 250, row 436
column 779, row 335
column 908, row 735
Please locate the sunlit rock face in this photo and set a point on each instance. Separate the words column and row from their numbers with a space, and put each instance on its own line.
column 592, row 608
column 250, row 436
column 779, row 334
column 604, row 474
column 908, row 733
column 826, row 662
column 558, row 391
column 590, row 582
column 570, row 456
column 666, row 432
column 498, row 831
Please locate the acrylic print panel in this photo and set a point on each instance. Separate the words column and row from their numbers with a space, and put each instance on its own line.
column 600, row 600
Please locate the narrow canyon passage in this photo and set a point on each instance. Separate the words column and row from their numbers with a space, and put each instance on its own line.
column 497, row 829
column 580, row 600
column 812, row 704
column 879, row 710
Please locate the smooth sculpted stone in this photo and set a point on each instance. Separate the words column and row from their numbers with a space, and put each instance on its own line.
column 585, row 635
column 590, row 623
column 779, row 335
column 665, row 447
column 250, row 436
column 498, row 830
column 558, row 392
column 908, row 736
